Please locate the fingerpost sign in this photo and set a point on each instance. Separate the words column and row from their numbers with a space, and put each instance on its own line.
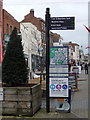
column 55, row 23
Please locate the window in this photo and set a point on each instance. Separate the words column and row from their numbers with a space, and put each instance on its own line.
column 10, row 29
column 42, row 35
column 7, row 29
column 42, row 25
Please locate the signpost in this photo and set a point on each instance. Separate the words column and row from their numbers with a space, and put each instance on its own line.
column 54, row 83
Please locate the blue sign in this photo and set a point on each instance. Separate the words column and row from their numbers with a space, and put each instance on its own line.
column 64, row 87
column 52, row 86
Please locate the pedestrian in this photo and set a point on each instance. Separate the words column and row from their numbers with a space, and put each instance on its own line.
column 86, row 68
column 81, row 66
column 69, row 65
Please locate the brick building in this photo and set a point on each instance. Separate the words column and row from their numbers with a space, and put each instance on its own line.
column 38, row 22
column 55, row 39
column 9, row 23
column 1, row 7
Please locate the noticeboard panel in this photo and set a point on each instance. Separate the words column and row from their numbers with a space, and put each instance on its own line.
column 72, row 80
column 58, row 71
column 58, row 87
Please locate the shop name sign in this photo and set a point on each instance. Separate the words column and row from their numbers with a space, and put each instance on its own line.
column 62, row 23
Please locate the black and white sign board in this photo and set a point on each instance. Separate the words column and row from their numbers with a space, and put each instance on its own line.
column 1, row 94
column 62, row 23
column 72, row 80
column 58, row 87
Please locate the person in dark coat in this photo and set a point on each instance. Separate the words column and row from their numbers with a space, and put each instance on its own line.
column 69, row 65
column 86, row 68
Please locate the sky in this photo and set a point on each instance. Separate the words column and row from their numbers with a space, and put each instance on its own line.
column 58, row 8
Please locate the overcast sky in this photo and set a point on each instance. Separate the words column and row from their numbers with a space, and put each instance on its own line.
column 58, row 8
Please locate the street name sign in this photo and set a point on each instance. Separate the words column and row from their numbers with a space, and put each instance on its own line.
column 62, row 23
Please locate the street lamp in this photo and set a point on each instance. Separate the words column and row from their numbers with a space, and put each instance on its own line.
column 40, row 50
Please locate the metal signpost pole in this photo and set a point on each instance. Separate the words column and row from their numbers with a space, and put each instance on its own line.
column 55, row 23
column 47, row 26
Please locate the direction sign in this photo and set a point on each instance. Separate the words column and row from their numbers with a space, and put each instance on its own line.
column 62, row 23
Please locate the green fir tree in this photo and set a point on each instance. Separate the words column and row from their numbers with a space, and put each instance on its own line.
column 14, row 68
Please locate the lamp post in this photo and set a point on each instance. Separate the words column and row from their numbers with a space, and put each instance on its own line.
column 40, row 50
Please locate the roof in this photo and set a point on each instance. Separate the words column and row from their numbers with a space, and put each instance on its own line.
column 70, row 43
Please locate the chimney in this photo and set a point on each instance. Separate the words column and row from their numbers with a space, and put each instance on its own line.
column 70, row 42
column 32, row 12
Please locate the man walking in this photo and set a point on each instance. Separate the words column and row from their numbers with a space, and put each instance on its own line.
column 86, row 68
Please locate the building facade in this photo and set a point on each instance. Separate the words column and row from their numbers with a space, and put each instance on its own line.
column 9, row 22
column 81, row 53
column 1, row 7
column 56, row 39
column 31, row 37
column 73, row 52
column 38, row 22
column 89, row 32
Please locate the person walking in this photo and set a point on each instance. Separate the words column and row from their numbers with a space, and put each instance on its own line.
column 86, row 68
column 69, row 65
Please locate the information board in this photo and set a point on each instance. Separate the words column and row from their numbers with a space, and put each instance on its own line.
column 1, row 93
column 58, row 87
column 59, row 55
column 72, row 80
column 58, row 71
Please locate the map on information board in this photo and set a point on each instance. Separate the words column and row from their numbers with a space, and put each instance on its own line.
column 59, row 55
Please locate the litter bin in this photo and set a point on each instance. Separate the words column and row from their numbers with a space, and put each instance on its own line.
column 64, row 104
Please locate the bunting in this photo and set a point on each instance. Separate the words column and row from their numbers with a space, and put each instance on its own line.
column 87, row 28
column 87, row 47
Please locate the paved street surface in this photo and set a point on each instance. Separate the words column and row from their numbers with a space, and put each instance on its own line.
column 80, row 98
column 79, row 104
